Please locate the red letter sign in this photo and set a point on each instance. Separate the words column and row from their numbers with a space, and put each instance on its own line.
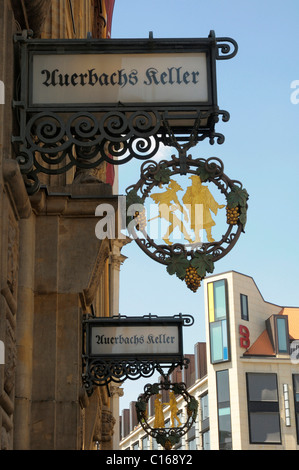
column 244, row 336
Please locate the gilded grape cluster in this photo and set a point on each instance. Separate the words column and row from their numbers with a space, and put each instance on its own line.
column 140, row 219
column 232, row 215
column 168, row 445
column 192, row 279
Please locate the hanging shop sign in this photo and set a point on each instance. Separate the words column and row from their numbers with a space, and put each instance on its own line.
column 118, row 72
column 78, row 79
column 162, row 338
column 187, row 224
column 82, row 102
column 123, row 347
column 166, row 435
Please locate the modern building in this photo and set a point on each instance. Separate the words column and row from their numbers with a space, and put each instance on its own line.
column 248, row 393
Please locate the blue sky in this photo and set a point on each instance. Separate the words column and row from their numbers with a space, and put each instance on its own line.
column 261, row 149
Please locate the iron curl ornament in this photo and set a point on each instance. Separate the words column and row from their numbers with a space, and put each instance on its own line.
column 194, row 258
column 54, row 143
column 167, row 437
column 76, row 107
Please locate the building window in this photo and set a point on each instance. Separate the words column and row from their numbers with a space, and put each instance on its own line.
column 263, row 408
column 244, row 307
column 282, row 334
column 136, row 446
column 205, row 423
column 278, row 330
column 224, row 418
column 206, row 440
column 191, row 439
column 204, row 406
column 218, row 321
column 155, row 445
column 145, row 443
column 296, row 398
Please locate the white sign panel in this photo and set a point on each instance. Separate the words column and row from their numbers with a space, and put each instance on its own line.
column 59, row 79
column 135, row 340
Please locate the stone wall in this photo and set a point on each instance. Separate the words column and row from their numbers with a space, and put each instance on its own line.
column 53, row 270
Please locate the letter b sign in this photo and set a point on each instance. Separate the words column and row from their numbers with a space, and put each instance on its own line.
column 244, row 337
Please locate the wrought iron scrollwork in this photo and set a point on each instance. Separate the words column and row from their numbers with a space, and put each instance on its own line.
column 101, row 368
column 53, row 142
column 227, row 47
column 99, row 372
column 224, row 47
column 211, row 170
column 55, row 137
column 156, row 428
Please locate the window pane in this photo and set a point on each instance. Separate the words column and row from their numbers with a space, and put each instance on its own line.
column 211, row 302
column 191, row 433
column 206, row 440
column 262, row 387
column 224, row 421
column 216, row 342
column 219, row 299
column 224, row 339
column 264, row 427
column 282, row 334
column 204, row 407
column 225, row 434
column 244, row 307
column 192, row 444
column 145, row 442
column 222, row 386
column 154, row 444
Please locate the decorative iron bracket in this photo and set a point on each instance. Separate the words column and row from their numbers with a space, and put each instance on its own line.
column 53, row 137
column 170, row 435
column 99, row 372
column 179, row 257
column 101, row 367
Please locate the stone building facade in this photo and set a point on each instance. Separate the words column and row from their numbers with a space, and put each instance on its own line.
column 53, row 268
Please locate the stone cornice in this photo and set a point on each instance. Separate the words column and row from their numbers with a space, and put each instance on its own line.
column 72, row 200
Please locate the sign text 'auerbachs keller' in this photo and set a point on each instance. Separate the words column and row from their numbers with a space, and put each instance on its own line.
column 130, row 337
column 119, row 78
column 135, row 340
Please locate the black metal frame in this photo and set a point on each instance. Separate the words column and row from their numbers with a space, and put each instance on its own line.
column 214, row 167
column 52, row 138
column 167, row 437
column 102, row 369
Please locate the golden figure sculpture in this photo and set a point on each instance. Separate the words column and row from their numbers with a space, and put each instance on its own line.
column 197, row 194
column 173, row 410
column 159, row 416
column 169, row 203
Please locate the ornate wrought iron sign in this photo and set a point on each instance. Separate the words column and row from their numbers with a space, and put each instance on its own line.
column 165, row 435
column 123, row 347
column 82, row 102
column 191, row 219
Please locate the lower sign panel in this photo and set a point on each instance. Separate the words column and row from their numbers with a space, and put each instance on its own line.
column 137, row 340
column 119, row 348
